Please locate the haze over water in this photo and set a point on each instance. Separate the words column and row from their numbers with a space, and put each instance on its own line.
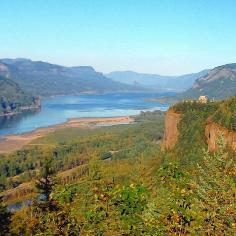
column 58, row 109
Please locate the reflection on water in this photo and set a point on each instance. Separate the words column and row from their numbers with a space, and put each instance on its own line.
column 58, row 109
column 12, row 121
column 19, row 205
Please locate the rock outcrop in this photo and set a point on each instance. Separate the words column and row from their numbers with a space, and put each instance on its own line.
column 213, row 131
column 219, row 83
column 171, row 130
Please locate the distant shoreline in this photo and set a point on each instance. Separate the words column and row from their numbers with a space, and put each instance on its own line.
column 14, row 142
column 22, row 110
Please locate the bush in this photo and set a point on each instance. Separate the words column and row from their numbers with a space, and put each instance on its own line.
column 106, row 155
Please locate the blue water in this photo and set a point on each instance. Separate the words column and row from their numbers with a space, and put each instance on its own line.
column 58, row 109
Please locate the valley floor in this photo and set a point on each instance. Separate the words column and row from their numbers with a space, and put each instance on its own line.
column 15, row 142
column 116, row 181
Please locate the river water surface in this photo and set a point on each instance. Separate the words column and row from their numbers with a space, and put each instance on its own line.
column 58, row 109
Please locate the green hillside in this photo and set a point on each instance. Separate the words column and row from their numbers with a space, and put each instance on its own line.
column 219, row 83
column 13, row 98
column 226, row 114
column 115, row 180
column 42, row 78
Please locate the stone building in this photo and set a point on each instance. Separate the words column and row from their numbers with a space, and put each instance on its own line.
column 202, row 99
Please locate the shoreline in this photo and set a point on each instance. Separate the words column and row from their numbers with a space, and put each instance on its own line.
column 22, row 110
column 14, row 142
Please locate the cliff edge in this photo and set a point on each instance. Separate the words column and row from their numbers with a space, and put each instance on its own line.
column 171, row 130
column 213, row 131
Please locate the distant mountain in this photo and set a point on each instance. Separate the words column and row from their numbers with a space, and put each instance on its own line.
column 13, row 99
column 157, row 82
column 219, row 83
column 43, row 78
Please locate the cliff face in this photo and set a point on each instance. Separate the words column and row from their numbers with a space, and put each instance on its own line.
column 171, row 130
column 213, row 132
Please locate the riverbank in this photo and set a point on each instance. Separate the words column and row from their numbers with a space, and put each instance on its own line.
column 12, row 143
column 165, row 100
column 22, row 109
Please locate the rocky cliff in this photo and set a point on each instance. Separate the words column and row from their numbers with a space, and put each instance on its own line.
column 171, row 130
column 213, row 132
column 219, row 83
column 195, row 124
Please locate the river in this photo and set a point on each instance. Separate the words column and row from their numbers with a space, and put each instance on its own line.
column 58, row 109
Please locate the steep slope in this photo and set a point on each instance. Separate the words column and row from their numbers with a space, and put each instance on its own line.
column 219, row 83
column 171, row 134
column 213, row 131
column 44, row 78
column 14, row 99
column 157, row 82
column 190, row 125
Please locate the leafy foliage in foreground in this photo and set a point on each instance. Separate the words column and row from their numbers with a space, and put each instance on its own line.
column 5, row 218
column 140, row 192
column 199, row 201
column 226, row 114
column 196, row 202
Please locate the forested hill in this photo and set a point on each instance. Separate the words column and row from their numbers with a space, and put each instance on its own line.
column 219, row 83
column 43, row 78
column 14, row 99
column 155, row 81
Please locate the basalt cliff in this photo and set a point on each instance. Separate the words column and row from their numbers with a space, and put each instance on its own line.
column 171, row 130
column 213, row 131
column 209, row 121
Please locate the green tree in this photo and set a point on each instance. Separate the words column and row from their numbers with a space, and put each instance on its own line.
column 131, row 201
column 45, row 185
column 215, row 193
column 5, row 218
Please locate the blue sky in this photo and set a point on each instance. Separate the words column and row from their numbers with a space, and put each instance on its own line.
column 154, row 36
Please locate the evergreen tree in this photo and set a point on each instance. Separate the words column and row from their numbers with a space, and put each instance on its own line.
column 45, row 185
column 5, row 218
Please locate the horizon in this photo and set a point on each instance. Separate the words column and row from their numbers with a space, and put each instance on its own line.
column 106, row 73
column 165, row 38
